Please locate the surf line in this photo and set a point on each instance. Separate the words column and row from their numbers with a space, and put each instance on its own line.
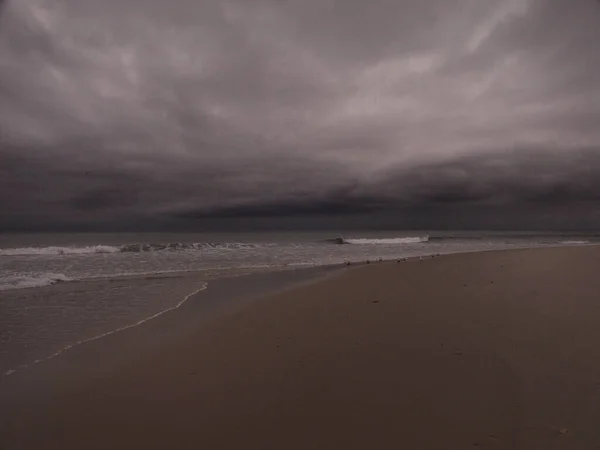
column 108, row 333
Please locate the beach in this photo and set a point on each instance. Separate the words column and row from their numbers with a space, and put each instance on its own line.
column 475, row 350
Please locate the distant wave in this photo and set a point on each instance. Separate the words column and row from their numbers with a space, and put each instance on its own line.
column 541, row 237
column 574, row 242
column 177, row 246
column 382, row 241
column 25, row 251
column 31, row 281
column 128, row 248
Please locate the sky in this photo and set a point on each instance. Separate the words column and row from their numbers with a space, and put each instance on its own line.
column 402, row 113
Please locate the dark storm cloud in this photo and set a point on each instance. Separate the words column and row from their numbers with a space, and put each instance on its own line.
column 528, row 177
column 131, row 110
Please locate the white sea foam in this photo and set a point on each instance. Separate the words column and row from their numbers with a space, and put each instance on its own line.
column 203, row 286
column 28, row 251
column 25, row 281
column 574, row 242
column 30, row 281
column 388, row 241
column 129, row 248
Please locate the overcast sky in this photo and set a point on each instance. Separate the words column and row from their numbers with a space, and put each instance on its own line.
column 137, row 111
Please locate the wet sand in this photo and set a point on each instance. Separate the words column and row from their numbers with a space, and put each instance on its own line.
column 482, row 350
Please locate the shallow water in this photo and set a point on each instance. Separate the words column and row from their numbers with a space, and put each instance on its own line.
column 30, row 260
column 37, row 319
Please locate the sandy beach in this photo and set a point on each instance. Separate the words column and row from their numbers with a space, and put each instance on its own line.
column 483, row 350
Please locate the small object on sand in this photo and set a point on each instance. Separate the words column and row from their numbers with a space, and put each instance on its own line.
column 380, row 259
column 348, row 263
column 563, row 431
column 368, row 262
column 375, row 301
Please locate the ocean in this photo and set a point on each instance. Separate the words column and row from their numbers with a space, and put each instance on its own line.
column 58, row 290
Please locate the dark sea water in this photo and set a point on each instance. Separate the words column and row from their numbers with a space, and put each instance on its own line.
column 60, row 289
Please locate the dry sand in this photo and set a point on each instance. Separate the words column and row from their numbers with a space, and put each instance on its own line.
column 485, row 350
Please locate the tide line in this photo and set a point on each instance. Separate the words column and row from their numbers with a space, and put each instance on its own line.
column 140, row 322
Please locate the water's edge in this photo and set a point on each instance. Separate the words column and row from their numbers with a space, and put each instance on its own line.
column 199, row 281
column 99, row 356
column 225, row 293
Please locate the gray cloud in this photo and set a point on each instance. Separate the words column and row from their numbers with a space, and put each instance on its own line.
column 133, row 111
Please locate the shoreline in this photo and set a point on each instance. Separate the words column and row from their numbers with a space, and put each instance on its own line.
column 108, row 333
column 194, row 277
column 273, row 268
column 91, row 357
column 216, row 274
column 488, row 349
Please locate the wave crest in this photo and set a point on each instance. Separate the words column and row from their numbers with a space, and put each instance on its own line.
column 178, row 246
column 31, row 281
column 25, row 251
column 127, row 248
column 384, row 241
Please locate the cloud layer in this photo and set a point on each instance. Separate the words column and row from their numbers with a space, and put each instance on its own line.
column 134, row 110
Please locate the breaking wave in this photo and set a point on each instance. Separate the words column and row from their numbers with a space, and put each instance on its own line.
column 26, row 251
column 31, row 281
column 384, row 241
column 128, row 248
column 178, row 246
column 574, row 242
